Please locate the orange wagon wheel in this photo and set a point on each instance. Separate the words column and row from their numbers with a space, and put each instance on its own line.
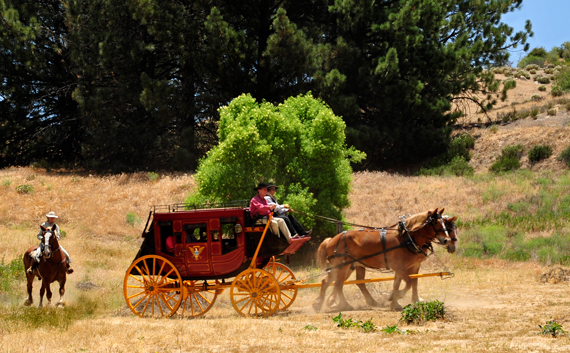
column 197, row 300
column 255, row 292
column 284, row 276
column 152, row 287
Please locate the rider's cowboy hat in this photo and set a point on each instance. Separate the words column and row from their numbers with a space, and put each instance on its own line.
column 271, row 185
column 51, row 215
column 261, row 186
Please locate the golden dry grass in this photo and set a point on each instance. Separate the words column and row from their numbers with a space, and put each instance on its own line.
column 493, row 305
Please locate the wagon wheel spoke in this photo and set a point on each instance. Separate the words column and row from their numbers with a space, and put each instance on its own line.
column 198, row 301
column 255, row 292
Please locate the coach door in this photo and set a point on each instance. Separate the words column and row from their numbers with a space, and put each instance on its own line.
column 197, row 245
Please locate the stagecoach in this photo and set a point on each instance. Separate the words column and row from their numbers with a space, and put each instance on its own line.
column 190, row 256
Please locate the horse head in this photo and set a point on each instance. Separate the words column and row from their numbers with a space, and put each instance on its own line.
column 452, row 229
column 436, row 225
column 49, row 241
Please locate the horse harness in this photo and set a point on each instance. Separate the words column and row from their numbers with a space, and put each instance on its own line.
column 408, row 242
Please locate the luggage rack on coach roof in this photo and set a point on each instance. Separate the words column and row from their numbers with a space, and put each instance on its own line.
column 179, row 207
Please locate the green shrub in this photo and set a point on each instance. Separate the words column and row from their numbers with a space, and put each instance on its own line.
column 152, row 176
column 539, row 152
column 542, row 88
column 531, row 60
column 565, row 156
column 6, row 182
column 133, row 219
column 532, row 67
column 562, row 81
column 458, row 166
column 11, row 274
column 534, row 112
column 421, row 312
column 551, row 111
column 543, row 80
column 536, row 98
column 508, row 160
column 293, row 144
column 25, row 189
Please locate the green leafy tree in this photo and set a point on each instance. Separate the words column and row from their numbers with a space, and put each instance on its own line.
column 299, row 145
column 395, row 68
column 37, row 110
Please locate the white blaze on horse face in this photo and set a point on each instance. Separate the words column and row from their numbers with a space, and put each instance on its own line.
column 447, row 238
column 47, row 250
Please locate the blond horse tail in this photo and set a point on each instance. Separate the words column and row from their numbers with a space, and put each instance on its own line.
column 322, row 254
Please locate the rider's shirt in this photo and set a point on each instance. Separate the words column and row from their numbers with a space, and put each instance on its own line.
column 47, row 224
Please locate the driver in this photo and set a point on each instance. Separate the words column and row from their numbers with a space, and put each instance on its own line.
column 36, row 254
column 258, row 206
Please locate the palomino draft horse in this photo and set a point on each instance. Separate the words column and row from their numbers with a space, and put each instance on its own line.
column 399, row 248
column 451, row 247
column 52, row 267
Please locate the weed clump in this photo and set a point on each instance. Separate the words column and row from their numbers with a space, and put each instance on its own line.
column 552, row 328
column 367, row 326
column 565, row 156
column 539, row 152
column 25, row 189
column 422, row 312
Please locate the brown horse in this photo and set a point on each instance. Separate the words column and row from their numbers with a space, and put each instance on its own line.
column 399, row 247
column 52, row 267
column 361, row 271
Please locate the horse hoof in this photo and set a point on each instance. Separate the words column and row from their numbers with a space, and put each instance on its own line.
column 317, row 307
column 27, row 302
column 60, row 305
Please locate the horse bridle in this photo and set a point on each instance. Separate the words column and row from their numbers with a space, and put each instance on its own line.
column 47, row 245
column 430, row 220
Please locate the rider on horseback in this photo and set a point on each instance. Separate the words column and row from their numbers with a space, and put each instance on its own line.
column 36, row 254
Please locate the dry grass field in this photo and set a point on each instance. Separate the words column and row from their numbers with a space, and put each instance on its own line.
column 492, row 305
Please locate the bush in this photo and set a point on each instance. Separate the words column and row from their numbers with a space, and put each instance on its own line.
column 539, row 152
column 542, row 79
column 551, row 111
column 11, row 274
column 532, row 67
column 508, row 160
column 534, row 112
column 152, row 176
column 565, row 156
column 133, row 219
column 531, row 60
column 421, row 312
column 542, row 88
column 299, row 145
column 562, row 81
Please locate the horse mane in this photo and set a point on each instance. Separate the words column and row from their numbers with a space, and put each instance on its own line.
column 415, row 222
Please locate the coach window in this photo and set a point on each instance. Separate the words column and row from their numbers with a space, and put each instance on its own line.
column 195, row 233
column 229, row 236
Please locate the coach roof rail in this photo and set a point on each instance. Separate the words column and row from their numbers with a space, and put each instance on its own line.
column 178, row 207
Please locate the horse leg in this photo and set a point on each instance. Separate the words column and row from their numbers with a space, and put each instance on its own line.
column 398, row 293
column 48, row 292
column 61, row 291
column 30, row 299
column 338, row 284
column 317, row 305
column 415, row 297
column 42, row 291
column 360, row 274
